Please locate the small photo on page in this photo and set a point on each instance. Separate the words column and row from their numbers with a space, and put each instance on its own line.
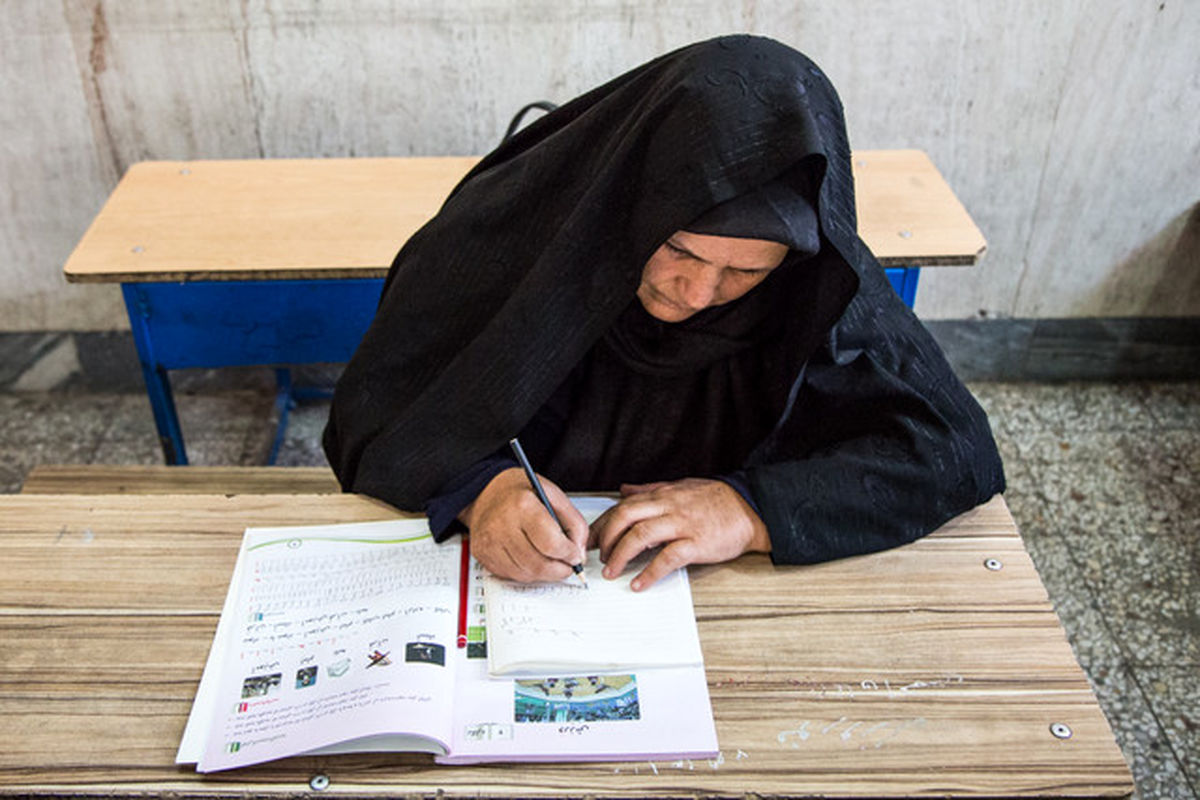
column 305, row 677
column 261, row 685
column 586, row 698
column 425, row 653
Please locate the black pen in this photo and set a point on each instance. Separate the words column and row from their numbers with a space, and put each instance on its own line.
column 541, row 493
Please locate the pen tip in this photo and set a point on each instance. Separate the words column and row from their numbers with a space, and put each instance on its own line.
column 582, row 579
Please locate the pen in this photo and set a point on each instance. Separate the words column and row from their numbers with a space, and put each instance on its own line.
column 541, row 493
column 464, row 580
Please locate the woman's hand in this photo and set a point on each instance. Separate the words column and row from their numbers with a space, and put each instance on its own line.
column 696, row 521
column 514, row 536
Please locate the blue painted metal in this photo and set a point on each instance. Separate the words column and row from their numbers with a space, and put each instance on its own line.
column 904, row 281
column 158, row 385
column 237, row 323
column 240, row 323
column 285, row 401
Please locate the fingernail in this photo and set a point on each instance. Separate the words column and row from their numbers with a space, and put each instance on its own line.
column 636, row 585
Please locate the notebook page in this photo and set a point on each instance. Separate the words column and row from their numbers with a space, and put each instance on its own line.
column 543, row 627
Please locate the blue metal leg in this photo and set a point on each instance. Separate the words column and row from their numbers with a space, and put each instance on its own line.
column 158, row 385
column 284, row 403
column 162, row 403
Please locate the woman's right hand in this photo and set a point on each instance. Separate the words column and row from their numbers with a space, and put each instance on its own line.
column 514, row 536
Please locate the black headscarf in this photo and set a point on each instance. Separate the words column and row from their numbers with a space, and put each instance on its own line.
column 530, row 270
column 660, row 401
column 779, row 211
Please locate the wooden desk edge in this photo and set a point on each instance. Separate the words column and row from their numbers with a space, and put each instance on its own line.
column 233, row 274
column 380, row 272
column 284, row 272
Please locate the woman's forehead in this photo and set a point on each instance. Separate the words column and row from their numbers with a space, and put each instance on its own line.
column 730, row 250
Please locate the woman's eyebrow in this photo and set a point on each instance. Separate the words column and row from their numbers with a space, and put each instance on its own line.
column 676, row 245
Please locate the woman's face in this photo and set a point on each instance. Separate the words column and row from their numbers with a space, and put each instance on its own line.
column 690, row 272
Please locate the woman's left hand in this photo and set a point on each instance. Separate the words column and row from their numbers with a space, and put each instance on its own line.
column 696, row 521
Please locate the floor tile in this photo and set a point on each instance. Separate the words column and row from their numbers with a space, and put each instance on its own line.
column 141, row 450
column 1175, row 405
column 225, row 414
column 306, row 421
column 1095, row 480
column 215, row 451
column 1172, row 695
column 301, row 453
column 1106, row 500
column 131, row 419
column 17, row 460
column 1147, row 590
column 1149, row 752
column 1106, row 407
column 48, row 417
column 1019, row 408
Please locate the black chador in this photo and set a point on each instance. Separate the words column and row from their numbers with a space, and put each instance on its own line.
column 818, row 394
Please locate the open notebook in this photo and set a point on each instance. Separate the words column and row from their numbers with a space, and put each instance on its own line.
column 547, row 627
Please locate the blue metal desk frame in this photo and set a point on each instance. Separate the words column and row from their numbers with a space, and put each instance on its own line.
column 270, row 322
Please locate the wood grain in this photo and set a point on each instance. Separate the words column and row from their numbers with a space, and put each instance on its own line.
column 161, row 479
column 915, row 672
column 907, row 213
column 346, row 218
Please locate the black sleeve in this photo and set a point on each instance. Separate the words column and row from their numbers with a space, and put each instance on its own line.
column 444, row 507
column 883, row 444
column 537, row 438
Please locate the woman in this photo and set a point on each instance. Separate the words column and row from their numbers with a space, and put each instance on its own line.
column 660, row 288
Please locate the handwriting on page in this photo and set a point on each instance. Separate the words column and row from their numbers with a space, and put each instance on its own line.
column 289, row 582
column 523, row 610
column 312, row 591
column 604, row 623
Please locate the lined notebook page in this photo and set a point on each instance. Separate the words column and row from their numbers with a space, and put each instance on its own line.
column 545, row 628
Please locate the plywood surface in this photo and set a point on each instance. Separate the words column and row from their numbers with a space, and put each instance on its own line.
column 915, row 672
column 347, row 217
column 161, row 479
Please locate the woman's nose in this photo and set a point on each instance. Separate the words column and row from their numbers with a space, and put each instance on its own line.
column 700, row 288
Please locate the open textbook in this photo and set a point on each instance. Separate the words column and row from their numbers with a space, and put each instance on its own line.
column 342, row 638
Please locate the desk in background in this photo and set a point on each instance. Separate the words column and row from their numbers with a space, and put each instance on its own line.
column 280, row 262
column 938, row 668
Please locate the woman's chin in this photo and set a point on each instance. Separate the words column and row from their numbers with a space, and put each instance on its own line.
column 663, row 311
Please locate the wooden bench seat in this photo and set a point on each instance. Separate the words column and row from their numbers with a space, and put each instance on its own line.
column 157, row 479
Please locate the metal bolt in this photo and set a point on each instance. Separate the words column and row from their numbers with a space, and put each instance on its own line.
column 1060, row 730
column 319, row 782
column 137, row 248
column 993, row 564
column 905, row 234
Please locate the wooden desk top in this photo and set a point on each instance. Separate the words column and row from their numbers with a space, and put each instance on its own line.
column 907, row 673
column 346, row 218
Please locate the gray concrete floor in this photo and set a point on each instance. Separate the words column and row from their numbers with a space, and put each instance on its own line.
column 1102, row 482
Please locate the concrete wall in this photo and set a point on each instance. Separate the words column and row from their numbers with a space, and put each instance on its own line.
column 1069, row 128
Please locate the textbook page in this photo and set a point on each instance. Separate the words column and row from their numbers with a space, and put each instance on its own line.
column 652, row 714
column 644, row 714
column 544, row 628
column 340, row 638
